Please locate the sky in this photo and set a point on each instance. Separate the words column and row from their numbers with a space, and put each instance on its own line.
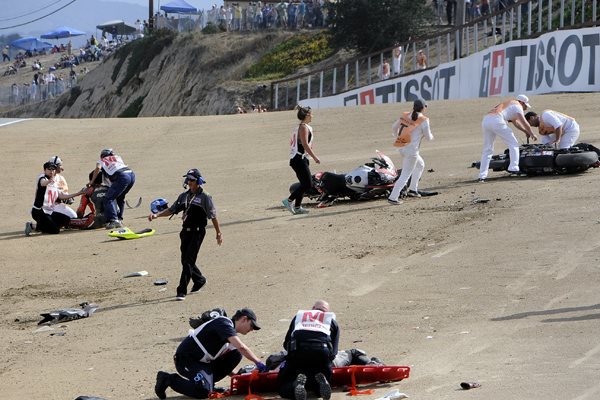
column 32, row 17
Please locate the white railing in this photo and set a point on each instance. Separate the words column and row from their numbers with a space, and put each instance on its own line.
column 521, row 20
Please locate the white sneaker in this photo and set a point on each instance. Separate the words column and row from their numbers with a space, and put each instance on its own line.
column 300, row 210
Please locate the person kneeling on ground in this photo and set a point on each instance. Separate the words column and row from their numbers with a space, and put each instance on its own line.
column 209, row 354
column 312, row 344
column 46, row 197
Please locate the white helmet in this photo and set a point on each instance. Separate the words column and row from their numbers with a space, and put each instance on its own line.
column 55, row 160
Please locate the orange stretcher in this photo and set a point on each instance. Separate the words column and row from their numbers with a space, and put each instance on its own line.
column 342, row 376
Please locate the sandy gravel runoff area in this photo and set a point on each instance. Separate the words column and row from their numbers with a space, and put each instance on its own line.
column 503, row 293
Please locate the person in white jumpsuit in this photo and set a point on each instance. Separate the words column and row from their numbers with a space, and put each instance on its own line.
column 409, row 130
column 555, row 128
column 495, row 123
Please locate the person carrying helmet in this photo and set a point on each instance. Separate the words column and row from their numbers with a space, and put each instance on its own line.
column 197, row 207
column 122, row 180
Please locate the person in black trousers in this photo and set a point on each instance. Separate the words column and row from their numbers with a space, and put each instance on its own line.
column 300, row 149
column 311, row 344
column 208, row 354
column 197, row 207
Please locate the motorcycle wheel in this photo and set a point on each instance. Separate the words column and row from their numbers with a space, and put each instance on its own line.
column 576, row 161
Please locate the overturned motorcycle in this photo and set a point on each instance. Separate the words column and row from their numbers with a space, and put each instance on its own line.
column 540, row 159
column 369, row 181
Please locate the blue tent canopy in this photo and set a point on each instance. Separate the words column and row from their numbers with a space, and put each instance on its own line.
column 62, row 32
column 178, row 6
column 30, row 43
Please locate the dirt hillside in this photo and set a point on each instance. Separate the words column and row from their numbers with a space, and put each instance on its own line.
column 504, row 293
column 195, row 75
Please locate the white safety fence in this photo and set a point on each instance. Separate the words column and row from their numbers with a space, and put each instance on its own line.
column 22, row 94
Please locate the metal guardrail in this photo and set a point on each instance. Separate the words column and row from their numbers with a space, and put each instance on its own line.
column 522, row 20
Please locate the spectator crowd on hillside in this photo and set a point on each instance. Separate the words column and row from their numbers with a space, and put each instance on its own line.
column 299, row 14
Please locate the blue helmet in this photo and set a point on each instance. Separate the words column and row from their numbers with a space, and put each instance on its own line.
column 158, row 205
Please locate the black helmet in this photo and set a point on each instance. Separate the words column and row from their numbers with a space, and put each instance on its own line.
column 106, row 152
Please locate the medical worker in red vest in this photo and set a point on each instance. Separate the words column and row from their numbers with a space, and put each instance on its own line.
column 311, row 344
column 495, row 123
column 555, row 128
column 409, row 130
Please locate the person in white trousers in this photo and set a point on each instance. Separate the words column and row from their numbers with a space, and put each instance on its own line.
column 495, row 123
column 409, row 130
column 555, row 128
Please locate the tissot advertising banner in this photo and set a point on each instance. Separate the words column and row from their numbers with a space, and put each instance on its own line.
column 561, row 61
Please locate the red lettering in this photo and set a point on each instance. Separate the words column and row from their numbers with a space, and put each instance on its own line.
column 109, row 159
column 367, row 97
column 52, row 197
column 312, row 316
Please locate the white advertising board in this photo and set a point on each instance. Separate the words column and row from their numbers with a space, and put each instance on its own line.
column 561, row 61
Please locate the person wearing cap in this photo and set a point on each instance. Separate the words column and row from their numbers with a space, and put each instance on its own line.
column 495, row 123
column 121, row 179
column 311, row 343
column 46, row 196
column 555, row 128
column 409, row 130
column 300, row 149
column 208, row 354
column 197, row 207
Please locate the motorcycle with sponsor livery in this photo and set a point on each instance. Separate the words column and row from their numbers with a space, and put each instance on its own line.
column 371, row 180
column 545, row 159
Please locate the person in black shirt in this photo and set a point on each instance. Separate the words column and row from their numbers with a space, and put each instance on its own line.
column 197, row 207
column 312, row 344
column 300, row 149
column 208, row 354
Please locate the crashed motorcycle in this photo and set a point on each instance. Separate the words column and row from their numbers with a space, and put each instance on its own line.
column 371, row 180
column 540, row 159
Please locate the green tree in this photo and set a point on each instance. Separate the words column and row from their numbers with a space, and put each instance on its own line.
column 6, row 39
column 369, row 25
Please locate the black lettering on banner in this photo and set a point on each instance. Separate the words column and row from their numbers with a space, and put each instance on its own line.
column 485, row 74
column 591, row 41
column 551, row 57
column 562, row 60
column 399, row 92
column 445, row 75
column 511, row 54
column 539, row 73
column 384, row 92
column 408, row 93
column 425, row 84
column 436, row 82
column 534, row 75
column 351, row 100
